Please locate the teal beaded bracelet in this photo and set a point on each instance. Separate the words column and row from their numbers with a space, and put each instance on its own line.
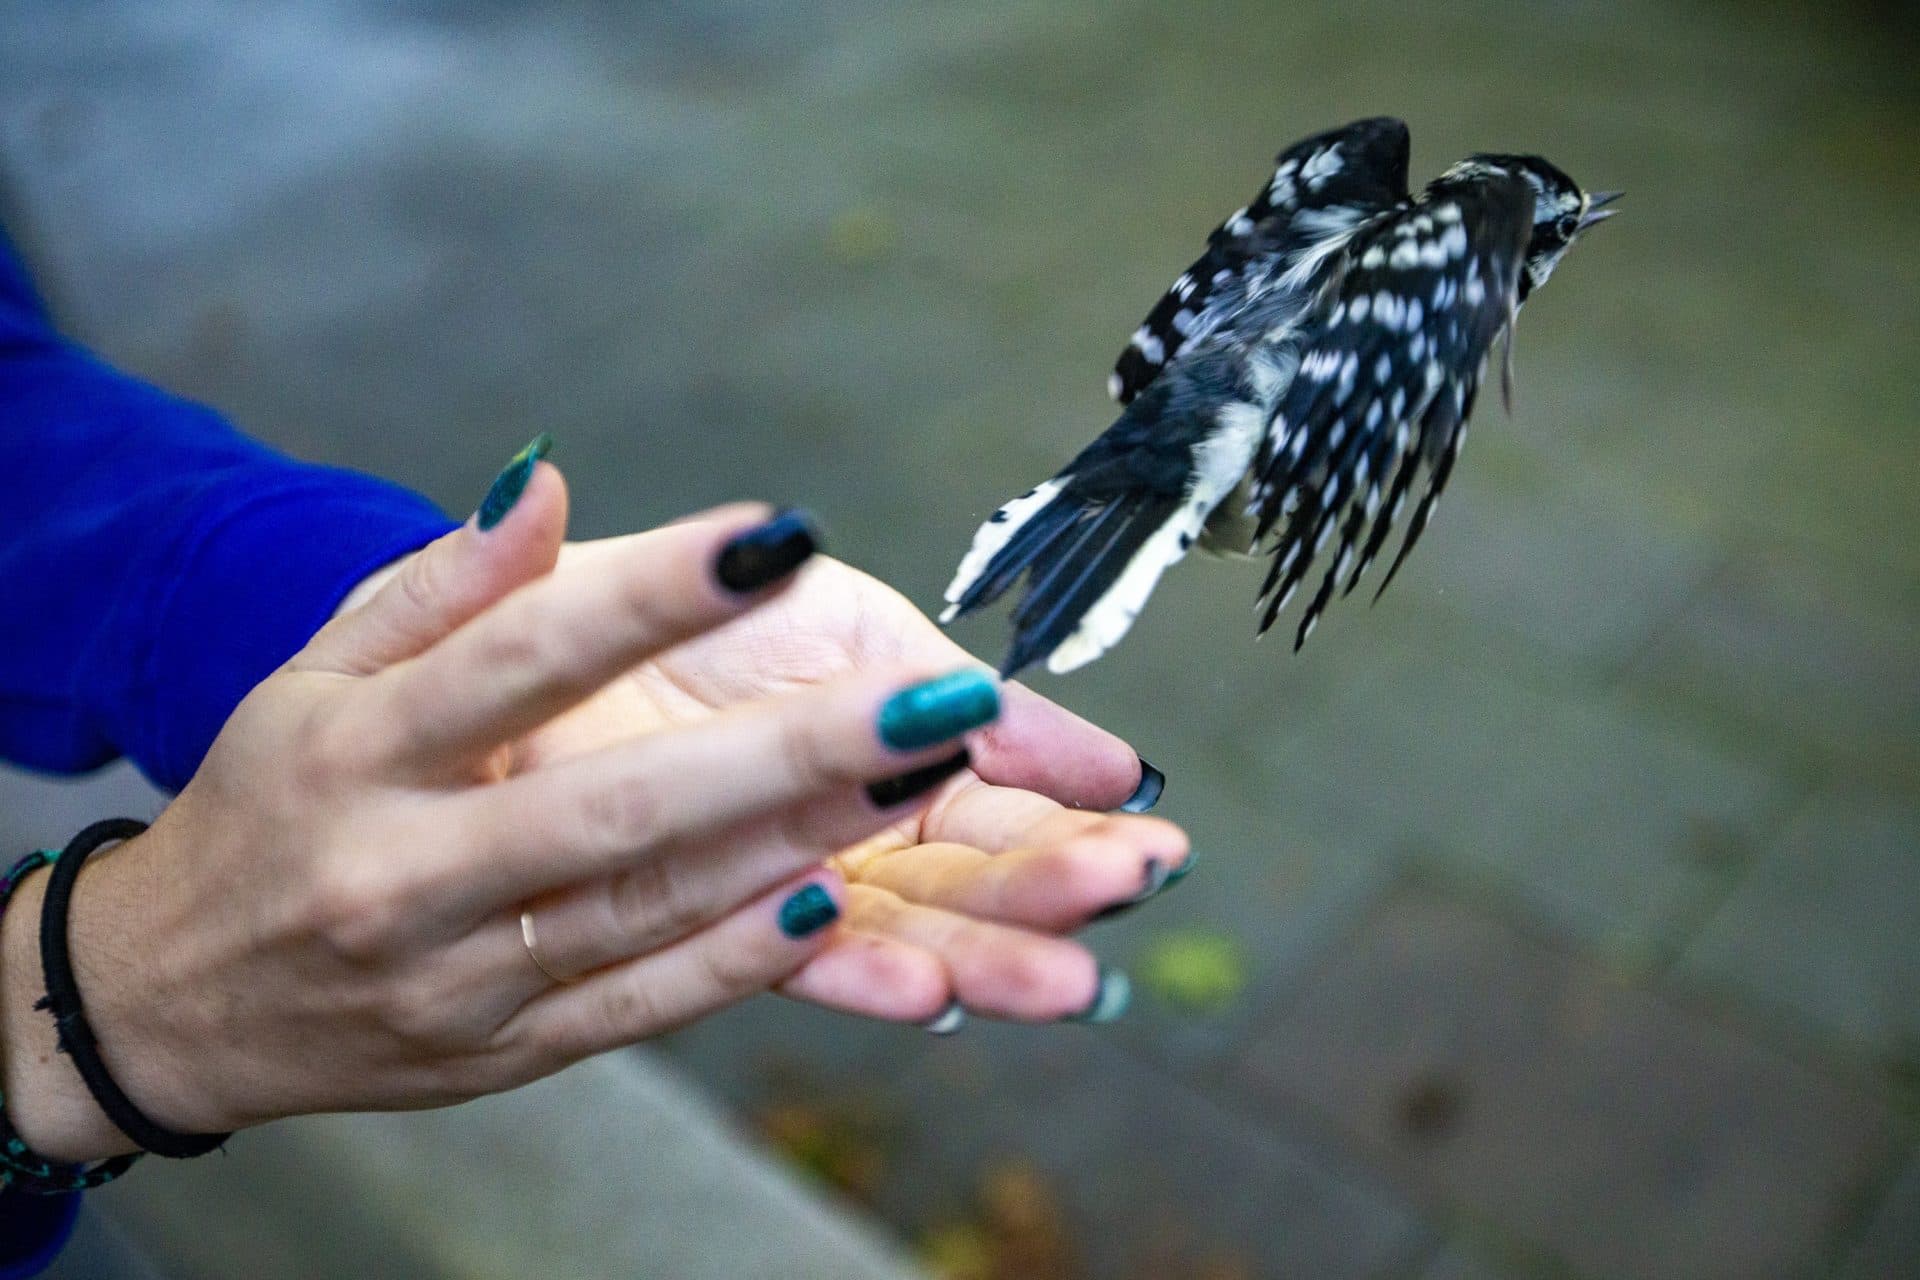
column 21, row 1168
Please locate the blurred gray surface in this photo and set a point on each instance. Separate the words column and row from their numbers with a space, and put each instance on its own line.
column 1648, row 688
column 612, row 1168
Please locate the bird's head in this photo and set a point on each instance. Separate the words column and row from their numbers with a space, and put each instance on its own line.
column 1562, row 212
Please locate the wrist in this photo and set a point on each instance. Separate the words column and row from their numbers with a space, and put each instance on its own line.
column 127, row 949
column 46, row 1100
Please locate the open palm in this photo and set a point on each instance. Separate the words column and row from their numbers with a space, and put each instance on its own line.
column 966, row 898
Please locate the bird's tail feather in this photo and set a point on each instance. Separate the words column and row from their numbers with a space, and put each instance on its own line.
column 1090, row 563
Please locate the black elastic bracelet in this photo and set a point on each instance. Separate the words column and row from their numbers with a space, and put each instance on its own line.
column 21, row 1167
column 70, row 1018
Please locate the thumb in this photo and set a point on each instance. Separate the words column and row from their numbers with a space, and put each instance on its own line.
column 512, row 539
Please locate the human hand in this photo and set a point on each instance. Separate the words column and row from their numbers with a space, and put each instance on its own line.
column 328, row 916
column 965, row 899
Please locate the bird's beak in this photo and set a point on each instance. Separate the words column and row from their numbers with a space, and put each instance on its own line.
column 1595, row 204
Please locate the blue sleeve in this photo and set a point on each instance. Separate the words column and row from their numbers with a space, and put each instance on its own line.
column 33, row 1230
column 156, row 563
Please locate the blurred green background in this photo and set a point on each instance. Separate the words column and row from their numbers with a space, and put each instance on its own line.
column 1559, row 916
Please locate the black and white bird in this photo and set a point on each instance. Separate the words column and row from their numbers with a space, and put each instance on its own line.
column 1288, row 392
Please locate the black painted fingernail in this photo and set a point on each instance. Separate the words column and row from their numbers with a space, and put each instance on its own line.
column 1147, row 794
column 511, row 482
column 808, row 912
column 947, row 1021
column 916, row 782
column 1158, row 878
column 766, row 553
column 1110, row 998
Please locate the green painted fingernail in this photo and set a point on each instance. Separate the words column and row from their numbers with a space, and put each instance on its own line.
column 808, row 912
column 512, row 482
column 1179, row 873
column 1110, row 998
column 939, row 709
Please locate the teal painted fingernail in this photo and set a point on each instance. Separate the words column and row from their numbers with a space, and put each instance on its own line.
column 808, row 912
column 939, row 709
column 1110, row 998
column 1179, row 873
column 512, row 482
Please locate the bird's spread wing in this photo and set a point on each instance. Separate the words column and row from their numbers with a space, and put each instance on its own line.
column 1397, row 346
column 1360, row 169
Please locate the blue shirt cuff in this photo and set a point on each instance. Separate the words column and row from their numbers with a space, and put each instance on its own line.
column 251, row 591
column 33, row 1230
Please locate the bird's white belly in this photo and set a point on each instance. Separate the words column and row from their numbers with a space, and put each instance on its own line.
column 1230, row 532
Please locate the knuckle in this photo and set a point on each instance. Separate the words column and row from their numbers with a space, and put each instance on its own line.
column 805, row 747
column 419, row 584
column 357, row 912
column 415, row 1010
column 618, row 818
column 653, row 900
column 522, row 648
column 629, row 1011
column 329, row 743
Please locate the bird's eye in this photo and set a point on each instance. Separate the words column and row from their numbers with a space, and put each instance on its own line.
column 1567, row 225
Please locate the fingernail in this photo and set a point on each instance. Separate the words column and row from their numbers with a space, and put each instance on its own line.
column 511, row 482
column 1110, row 998
column 808, row 912
column 1179, row 873
column 1147, row 794
column 767, row 552
column 939, row 709
column 1158, row 878
column 917, row 782
column 947, row 1021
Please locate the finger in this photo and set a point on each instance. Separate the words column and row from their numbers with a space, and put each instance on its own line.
column 806, row 759
column 745, row 953
column 1057, row 886
column 873, row 976
column 550, row 646
column 451, row 580
column 678, row 889
column 996, row 970
column 1001, row 819
column 1038, row 745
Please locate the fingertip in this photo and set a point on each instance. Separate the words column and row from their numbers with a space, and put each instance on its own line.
column 767, row 552
column 1039, row 745
column 873, row 976
column 809, row 909
column 510, row 485
column 418, row 601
